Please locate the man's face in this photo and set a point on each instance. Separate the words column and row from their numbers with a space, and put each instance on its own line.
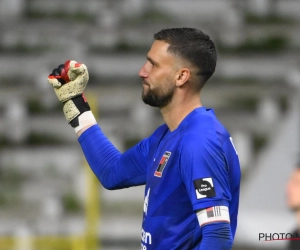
column 158, row 75
column 293, row 191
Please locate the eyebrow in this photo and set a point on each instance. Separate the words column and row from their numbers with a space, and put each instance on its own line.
column 152, row 61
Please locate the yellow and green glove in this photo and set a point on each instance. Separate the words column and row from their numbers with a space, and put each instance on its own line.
column 69, row 81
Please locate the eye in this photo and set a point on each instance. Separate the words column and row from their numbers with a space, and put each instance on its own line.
column 151, row 62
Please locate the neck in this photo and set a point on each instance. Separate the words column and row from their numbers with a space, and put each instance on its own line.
column 177, row 110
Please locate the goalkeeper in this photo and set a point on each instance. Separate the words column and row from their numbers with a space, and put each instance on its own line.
column 189, row 165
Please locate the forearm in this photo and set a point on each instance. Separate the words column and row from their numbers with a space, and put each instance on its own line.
column 113, row 169
column 216, row 236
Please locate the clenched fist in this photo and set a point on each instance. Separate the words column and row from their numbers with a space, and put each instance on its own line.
column 69, row 81
column 74, row 74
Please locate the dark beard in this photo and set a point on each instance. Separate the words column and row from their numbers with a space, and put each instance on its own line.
column 295, row 208
column 156, row 100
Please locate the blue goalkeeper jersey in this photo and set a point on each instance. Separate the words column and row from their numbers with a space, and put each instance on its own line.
column 189, row 169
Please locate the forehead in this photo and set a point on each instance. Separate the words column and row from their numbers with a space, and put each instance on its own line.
column 160, row 46
column 159, row 49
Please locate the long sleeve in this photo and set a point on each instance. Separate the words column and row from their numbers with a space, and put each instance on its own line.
column 114, row 169
column 216, row 236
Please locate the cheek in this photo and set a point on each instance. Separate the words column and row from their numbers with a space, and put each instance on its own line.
column 293, row 193
column 161, row 80
column 162, row 74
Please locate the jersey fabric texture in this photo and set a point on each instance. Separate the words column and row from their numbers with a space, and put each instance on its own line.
column 191, row 168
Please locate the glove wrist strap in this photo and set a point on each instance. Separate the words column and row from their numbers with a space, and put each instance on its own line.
column 85, row 119
column 84, row 115
column 79, row 106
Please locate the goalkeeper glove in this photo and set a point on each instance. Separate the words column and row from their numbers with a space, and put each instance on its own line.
column 69, row 81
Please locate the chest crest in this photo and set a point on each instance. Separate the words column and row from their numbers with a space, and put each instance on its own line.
column 162, row 164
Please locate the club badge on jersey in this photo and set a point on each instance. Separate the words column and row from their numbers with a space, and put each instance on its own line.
column 162, row 164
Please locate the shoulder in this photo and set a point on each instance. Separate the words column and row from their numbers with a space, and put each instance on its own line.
column 202, row 128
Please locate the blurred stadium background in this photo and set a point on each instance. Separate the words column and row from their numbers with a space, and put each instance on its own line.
column 49, row 198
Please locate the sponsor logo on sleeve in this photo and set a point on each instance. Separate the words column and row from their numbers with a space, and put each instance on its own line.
column 162, row 164
column 204, row 188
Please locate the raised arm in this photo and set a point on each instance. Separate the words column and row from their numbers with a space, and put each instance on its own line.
column 113, row 169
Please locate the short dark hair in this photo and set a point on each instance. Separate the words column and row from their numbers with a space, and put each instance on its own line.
column 193, row 45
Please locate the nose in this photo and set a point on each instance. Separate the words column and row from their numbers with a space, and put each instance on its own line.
column 143, row 72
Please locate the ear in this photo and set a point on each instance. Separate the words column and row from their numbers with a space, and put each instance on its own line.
column 182, row 76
